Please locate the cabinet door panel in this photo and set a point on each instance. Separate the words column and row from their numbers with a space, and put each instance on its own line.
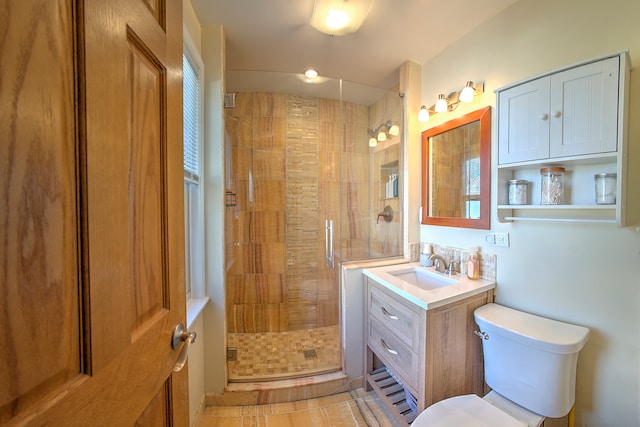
column 584, row 109
column 523, row 116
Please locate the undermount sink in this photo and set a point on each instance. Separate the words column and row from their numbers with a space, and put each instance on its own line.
column 422, row 278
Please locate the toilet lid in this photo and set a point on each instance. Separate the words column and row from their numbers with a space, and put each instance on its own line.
column 465, row 411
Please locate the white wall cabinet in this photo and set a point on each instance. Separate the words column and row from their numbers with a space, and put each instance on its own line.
column 575, row 118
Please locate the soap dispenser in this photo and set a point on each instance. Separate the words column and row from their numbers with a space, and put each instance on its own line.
column 473, row 264
column 425, row 255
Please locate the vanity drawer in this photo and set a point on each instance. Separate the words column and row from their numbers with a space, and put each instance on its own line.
column 399, row 358
column 398, row 315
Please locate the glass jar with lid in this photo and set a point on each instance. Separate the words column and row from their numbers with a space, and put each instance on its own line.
column 552, row 185
column 605, row 188
column 518, row 191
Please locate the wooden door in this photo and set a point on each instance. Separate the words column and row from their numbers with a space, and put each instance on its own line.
column 523, row 122
column 91, row 212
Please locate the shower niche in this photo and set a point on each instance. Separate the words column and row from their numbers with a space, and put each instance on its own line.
column 389, row 180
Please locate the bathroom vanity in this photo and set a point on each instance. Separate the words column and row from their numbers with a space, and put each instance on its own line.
column 420, row 345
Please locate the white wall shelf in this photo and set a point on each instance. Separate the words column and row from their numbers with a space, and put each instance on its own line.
column 581, row 139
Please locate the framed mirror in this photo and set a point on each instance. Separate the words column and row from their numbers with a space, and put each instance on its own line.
column 456, row 172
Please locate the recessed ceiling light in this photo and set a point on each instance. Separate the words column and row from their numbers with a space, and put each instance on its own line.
column 311, row 74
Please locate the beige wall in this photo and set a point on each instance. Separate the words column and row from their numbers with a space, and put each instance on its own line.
column 587, row 274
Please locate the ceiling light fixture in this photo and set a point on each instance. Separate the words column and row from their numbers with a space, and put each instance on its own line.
column 339, row 17
column 311, row 74
column 451, row 102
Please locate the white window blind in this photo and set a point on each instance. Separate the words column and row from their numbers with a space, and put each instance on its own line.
column 191, row 98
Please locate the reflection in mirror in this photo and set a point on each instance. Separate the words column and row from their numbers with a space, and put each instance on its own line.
column 456, row 172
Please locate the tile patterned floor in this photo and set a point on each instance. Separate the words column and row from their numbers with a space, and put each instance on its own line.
column 355, row 408
column 280, row 355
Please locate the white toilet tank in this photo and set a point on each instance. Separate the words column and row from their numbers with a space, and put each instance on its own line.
column 530, row 360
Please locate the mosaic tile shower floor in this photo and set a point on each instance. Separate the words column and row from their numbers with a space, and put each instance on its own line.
column 280, row 355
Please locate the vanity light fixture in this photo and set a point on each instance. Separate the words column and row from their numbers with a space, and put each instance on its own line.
column 423, row 114
column 451, row 102
column 383, row 132
column 442, row 104
column 339, row 17
column 467, row 93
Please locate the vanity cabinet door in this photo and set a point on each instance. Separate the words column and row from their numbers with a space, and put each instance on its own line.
column 523, row 122
column 584, row 109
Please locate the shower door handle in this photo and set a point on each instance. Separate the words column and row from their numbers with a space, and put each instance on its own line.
column 328, row 236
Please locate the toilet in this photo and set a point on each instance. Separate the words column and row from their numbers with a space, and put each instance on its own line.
column 530, row 365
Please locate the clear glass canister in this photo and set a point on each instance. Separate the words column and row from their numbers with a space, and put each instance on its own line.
column 552, row 186
column 518, row 191
column 605, row 188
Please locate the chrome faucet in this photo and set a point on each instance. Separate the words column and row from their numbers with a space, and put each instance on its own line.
column 442, row 266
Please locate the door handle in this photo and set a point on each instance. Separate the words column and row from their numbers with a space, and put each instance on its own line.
column 180, row 335
column 328, row 234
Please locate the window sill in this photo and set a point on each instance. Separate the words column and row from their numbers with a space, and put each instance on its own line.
column 194, row 308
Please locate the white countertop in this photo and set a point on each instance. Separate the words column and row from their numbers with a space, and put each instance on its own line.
column 431, row 298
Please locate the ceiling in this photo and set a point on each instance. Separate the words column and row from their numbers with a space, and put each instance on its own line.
column 275, row 36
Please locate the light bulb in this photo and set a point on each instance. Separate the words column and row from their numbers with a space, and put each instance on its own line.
column 394, row 130
column 382, row 136
column 311, row 74
column 373, row 142
column 423, row 114
column 466, row 94
column 441, row 104
column 337, row 19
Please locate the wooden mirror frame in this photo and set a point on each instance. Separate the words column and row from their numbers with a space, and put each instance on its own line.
column 484, row 116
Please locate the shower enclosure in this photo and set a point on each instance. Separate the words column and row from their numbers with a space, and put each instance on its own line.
column 305, row 191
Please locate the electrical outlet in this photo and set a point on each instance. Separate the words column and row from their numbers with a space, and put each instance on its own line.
column 498, row 239
column 502, row 239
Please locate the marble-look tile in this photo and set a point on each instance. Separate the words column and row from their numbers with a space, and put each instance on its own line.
column 356, row 139
column 329, row 166
column 270, row 258
column 268, row 226
column 356, row 167
column 243, row 107
column 255, row 289
column 269, row 132
column 329, row 136
column 269, row 195
column 356, row 195
column 328, row 196
column 329, row 110
column 350, row 409
column 269, row 104
column 269, row 164
column 239, row 259
column 238, row 228
column 356, row 114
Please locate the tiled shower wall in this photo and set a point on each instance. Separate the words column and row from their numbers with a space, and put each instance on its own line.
column 386, row 237
column 284, row 174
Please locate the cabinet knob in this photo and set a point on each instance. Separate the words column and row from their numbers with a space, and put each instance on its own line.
column 557, row 114
column 544, row 116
